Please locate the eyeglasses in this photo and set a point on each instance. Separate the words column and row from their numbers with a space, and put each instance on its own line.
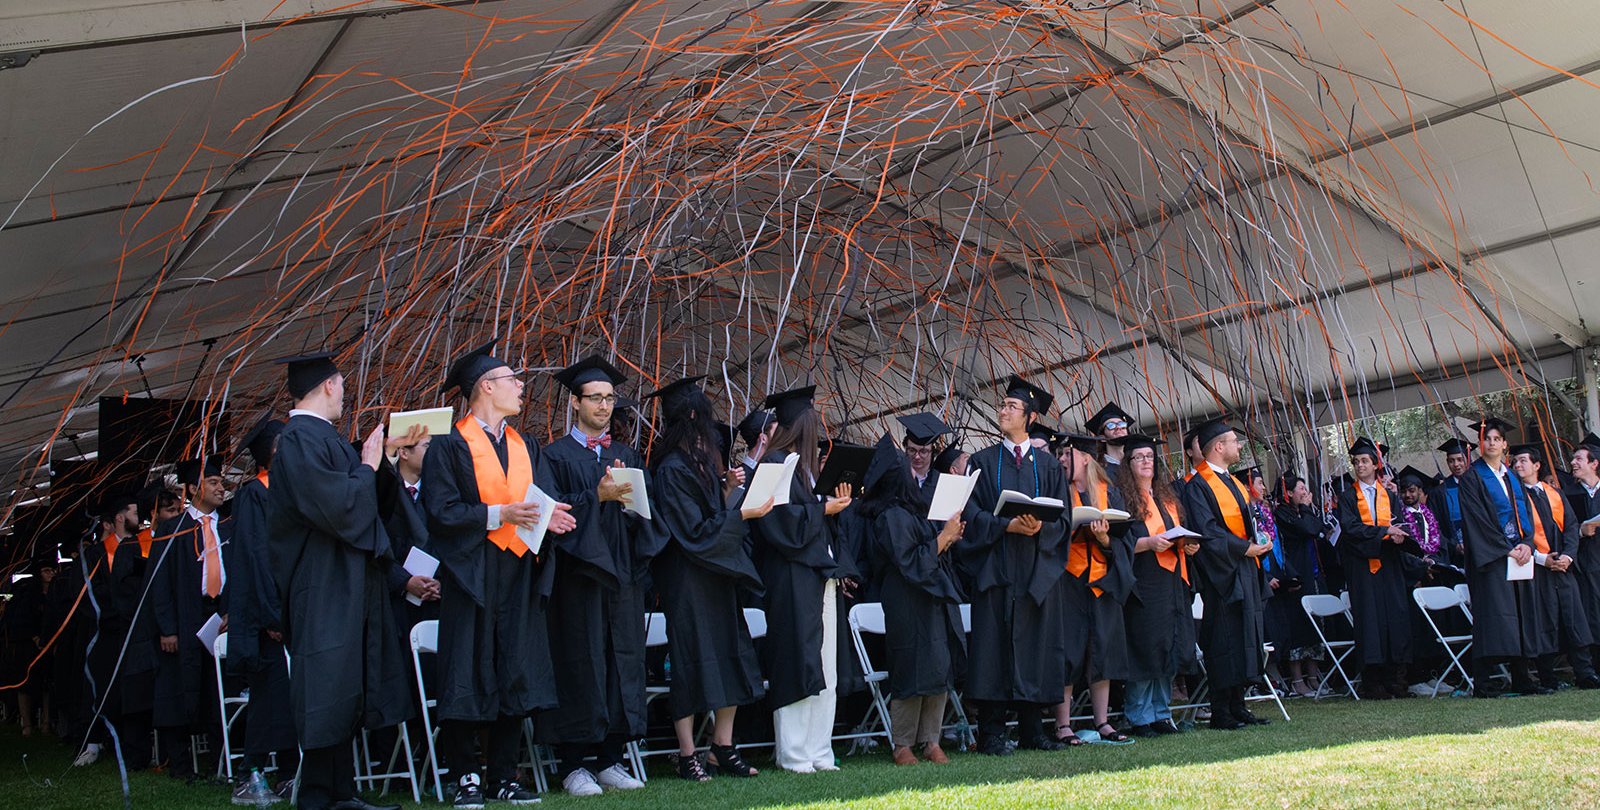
column 599, row 399
column 516, row 378
column 1113, row 424
column 919, row 451
column 1012, row 405
column 1142, row 457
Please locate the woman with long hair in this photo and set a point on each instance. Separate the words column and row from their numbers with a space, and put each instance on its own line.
column 797, row 555
column 1160, row 625
column 699, row 575
column 921, row 603
column 1300, row 530
column 1099, row 578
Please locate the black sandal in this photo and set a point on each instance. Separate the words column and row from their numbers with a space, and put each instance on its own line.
column 1114, row 736
column 689, row 768
column 730, row 763
column 1070, row 738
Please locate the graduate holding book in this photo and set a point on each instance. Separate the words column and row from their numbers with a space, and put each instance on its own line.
column 1015, row 564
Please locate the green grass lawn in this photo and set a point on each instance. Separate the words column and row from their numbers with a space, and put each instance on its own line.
column 1529, row 751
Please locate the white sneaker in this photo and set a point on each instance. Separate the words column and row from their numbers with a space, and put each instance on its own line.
column 616, row 777
column 581, row 783
column 88, row 756
column 825, row 766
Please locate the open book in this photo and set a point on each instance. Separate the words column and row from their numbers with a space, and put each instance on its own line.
column 951, row 493
column 1082, row 515
column 1015, row 504
column 772, row 480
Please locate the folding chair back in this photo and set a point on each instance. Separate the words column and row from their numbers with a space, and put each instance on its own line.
column 229, row 708
column 1320, row 607
column 425, row 639
column 756, row 620
column 966, row 617
column 1436, row 599
column 866, row 619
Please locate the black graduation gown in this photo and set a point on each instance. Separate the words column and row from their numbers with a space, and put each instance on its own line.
column 794, row 550
column 1380, row 602
column 596, row 608
column 1158, row 615
column 407, row 525
column 494, row 642
column 699, row 575
column 254, row 607
column 1232, row 586
column 1016, row 650
column 1300, row 533
column 925, row 642
column 118, row 590
column 1587, row 559
column 1506, row 622
column 186, row 686
column 1439, row 501
column 330, row 558
column 851, row 553
column 1564, row 619
column 1094, row 631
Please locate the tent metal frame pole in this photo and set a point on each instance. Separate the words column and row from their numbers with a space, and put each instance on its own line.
column 1586, row 358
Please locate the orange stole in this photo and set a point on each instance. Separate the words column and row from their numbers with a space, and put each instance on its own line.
column 1087, row 554
column 262, row 477
column 110, row 542
column 1173, row 558
column 1384, row 517
column 1228, row 506
column 147, row 538
column 1557, row 511
column 497, row 486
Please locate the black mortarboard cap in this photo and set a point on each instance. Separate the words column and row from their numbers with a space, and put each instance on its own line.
column 470, row 367
column 1494, row 422
column 671, row 389
column 1411, row 475
column 1364, row 446
column 1040, row 430
column 725, row 443
column 1590, row 441
column 626, row 402
column 947, row 457
column 1135, row 441
column 1110, row 411
column 1207, row 431
column 189, row 470
column 787, row 406
column 1525, row 447
column 307, row 371
column 751, row 426
column 259, row 440
column 1456, row 446
column 1037, row 398
column 886, row 458
column 1244, row 475
column 923, row 428
column 593, row 368
column 1079, row 441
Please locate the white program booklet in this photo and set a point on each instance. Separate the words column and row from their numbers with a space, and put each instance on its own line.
column 436, row 420
column 209, row 631
column 1179, row 532
column 420, row 563
column 1515, row 572
column 951, row 493
column 772, row 480
column 637, row 501
column 533, row 536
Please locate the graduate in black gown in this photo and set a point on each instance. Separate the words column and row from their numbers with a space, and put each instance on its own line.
column 921, row 603
column 1017, row 654
column 123, row 679
column 1555, row 581
column 1301, row 530
column 1112, row 424
column 596, row 609
column 1373, row 549
column 1096, row 586
column 756, row 428
column 330, row 557
column 188, row 585
column 921, row 445
column 1159, row 621
column 796, row 554
column 400, row 507
column 1584, row 495
column 255, row 626
column 700, row 574
column 494, row 647
column 1445, row 499
column 1232, row 582
column 1497, row 523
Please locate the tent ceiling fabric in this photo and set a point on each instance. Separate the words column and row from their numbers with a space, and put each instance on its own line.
column 1300, row 211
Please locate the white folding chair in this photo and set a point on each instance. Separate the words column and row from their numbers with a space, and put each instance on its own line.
column 1465, row 595
column 1272, row 691
column 1439, row 599
column 756, row 620
column 655, row 635
column 229, row 708
column 867, row 619
column 400, row 752
column 1319, row 607
column 966, row 735
column 425, row 639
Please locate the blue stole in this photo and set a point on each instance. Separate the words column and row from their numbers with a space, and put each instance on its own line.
column 1452, row 498
column 1509, row 515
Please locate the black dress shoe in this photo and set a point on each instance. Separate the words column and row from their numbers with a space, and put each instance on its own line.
column 1250, row 719
column 1143, row 731
column 994, row 745
column 1590, row 681
column 1488, row 693
column 1165, row 727
column 358, row 803
column 1039, row 742
column 1226, row 722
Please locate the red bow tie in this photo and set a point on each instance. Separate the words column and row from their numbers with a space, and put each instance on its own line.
column 602, row 441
